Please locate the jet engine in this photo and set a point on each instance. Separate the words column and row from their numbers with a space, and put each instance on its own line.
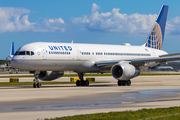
column 50, row 75
column 124, row 71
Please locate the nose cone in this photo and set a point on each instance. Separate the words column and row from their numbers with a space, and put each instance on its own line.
column 12, row 63
column 19, row 60
column 26, row 57
column 15, row 63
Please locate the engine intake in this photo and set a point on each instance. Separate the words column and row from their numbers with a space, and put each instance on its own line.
column 124, row 71
column 50, row 75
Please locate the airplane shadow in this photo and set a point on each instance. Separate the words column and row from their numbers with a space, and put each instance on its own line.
column 102, row 85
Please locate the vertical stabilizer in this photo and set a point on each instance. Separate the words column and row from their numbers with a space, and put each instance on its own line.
column 156, row 36
column 12, row 50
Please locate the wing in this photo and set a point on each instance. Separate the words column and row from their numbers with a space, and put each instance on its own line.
column 142, row 63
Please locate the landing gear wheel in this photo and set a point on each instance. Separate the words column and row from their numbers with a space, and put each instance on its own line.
column 129, row 83
column 119, row 83
column 124, row 83
column 38, row 85
column 82, row 83
column 78, row 83
column 34, row 85
column 87, row 82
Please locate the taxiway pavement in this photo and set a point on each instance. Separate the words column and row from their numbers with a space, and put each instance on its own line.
column 25, row 102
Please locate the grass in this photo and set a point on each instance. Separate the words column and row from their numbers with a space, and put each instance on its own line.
column 90, row 75
column 155, row 114
column 30, row 83
column 19, row 76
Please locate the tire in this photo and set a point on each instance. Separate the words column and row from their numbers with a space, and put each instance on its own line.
column 38, row 85
column 124, row 83
column 119, row 83
column 129, row 83
column 34, row 85
column 87, row 82
column 82, row 83
column 78, row 83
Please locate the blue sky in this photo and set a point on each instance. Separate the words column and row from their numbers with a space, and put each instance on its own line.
column 85, row 21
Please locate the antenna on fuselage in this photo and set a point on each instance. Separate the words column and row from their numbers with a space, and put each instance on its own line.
column 72, row 42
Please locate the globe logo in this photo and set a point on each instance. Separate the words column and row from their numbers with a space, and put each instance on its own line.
column 155, row 38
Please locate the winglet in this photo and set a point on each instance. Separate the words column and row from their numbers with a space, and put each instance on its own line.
column 12, row 50
column 156, row 36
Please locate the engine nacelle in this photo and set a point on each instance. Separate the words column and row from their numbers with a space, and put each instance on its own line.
column 50, row 75
column 124, row 71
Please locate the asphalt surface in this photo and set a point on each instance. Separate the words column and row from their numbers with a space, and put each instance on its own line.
column 25, row 102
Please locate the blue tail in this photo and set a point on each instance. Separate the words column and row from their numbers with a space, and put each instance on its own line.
column 156, row 36
column 12, row 50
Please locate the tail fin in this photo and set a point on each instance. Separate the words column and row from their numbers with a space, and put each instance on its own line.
column 156, row 36
column 12, row 50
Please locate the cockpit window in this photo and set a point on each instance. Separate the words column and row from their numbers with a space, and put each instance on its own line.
column 16, row 53
column 21, row 53
column 24, row 53
column 28, row 53
column 32, row 53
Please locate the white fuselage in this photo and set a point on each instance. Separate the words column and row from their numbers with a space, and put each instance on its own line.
column 48, row 56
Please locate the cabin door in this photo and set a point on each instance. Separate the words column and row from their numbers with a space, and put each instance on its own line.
column 43, row 53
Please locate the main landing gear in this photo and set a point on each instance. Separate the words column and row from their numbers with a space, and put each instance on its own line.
column 82, row 82
column 124, row 83
column 36, row 83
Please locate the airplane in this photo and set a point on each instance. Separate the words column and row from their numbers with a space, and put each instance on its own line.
column 162, row 68
column 48, row 61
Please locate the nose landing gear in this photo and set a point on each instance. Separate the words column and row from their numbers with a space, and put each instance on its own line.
column 36, row 83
